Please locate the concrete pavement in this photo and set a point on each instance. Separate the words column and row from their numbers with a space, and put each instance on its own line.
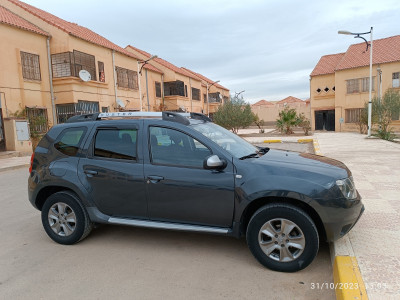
column 9, row 161
column 117, row 262
column 375, row 240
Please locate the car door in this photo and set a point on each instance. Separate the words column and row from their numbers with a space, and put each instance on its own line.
column 112, row 172
column 179, row 189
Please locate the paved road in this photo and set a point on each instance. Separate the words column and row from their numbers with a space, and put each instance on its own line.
column 131, row 263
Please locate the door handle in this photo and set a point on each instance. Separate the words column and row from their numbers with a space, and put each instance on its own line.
column 90, row 172
column 154, row 179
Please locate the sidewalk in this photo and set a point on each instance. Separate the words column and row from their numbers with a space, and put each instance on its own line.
column 375, row 240
column 12, row 163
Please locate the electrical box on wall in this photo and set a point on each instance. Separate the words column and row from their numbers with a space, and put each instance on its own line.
column 22, row 130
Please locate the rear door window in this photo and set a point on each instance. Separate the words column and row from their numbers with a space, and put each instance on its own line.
column 116, row 143
column 69, row 140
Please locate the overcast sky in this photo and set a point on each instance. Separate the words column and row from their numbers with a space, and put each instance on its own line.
column 267, row 48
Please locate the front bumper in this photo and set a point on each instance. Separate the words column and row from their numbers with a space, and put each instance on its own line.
column 343, row 220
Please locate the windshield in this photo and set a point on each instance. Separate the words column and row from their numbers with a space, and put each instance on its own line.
column 232, row 143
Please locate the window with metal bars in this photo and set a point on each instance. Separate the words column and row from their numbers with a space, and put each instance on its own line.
column 353, row 115
column 353, row 86
column 102, row 76
column 84, row 61
column 126, row 78
column 396, row 79
column 65, row 111
column 174, row 88
column 30, row 66
column 70, row 63
column 38, row 120
column 214, row 97
column 195, row 94
column 62, row 64
column 158, row 89
column 365, row 84
column 358, row 85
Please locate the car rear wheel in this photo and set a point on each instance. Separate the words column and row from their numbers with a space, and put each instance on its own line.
column 282, row 237
column 64, row 218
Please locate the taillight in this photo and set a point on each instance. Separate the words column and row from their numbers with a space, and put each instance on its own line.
column 30, row 168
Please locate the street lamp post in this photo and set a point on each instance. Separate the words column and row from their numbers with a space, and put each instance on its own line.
column 358, row 35
column 208, row 100
column 143, row 63
column 237, row 94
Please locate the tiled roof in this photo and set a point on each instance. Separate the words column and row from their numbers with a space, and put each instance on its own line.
column 9, row 18
column 384, row 51
column 290, row 99
column 152, row 68
column 208, row 80
column 263, row 103
column 72, row 28
column 327, row 64
column 165, row 63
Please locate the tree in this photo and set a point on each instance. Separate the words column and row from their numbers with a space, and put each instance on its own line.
column 304, row 123
column 260, row 123
column 288, row 119
column 383, row 112
column 234, row 114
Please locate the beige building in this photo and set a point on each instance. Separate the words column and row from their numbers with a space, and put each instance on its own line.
column 183, row 89
column 269, row 110
column 339, row 84
column 56, row 69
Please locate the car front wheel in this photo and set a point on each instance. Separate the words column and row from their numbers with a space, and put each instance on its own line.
column 64, row 218
column 282, row 237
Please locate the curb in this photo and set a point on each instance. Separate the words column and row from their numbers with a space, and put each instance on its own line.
column 273, row 141
column 347, row 278
column 14, row 167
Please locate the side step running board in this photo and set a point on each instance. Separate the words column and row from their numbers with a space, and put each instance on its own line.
column 165, row 225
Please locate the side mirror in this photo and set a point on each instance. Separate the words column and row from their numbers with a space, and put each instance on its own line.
column 213, row 162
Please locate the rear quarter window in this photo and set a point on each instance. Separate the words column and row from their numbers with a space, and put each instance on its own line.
column 69, row 140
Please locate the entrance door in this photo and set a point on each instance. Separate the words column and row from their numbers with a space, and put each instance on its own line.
column 2, row 134
column 325, row 120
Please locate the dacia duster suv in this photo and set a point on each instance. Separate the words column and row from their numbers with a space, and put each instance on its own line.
column 183, row 172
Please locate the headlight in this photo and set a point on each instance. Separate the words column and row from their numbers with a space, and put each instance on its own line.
column 347, row 187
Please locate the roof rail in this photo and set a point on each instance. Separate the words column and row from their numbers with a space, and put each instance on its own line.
column 198, row 116
column 182, row 118
column 83, row 118
column 175, row 117
column 127, row 114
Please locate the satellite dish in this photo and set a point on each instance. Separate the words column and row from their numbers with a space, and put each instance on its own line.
column 85, row 75
column 120, row 103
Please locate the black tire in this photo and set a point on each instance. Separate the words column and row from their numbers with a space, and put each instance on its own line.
column 271, row 217
column 77, row 230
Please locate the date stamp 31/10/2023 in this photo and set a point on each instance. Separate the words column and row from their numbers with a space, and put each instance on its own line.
column 347, row 286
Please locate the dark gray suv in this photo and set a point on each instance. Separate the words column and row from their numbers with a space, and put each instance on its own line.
column 183, row 172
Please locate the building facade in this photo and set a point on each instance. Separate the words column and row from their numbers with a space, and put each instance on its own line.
column 339, row 84
column 56, row 69
column 269, row 110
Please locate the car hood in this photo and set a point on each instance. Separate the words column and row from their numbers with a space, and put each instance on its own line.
column 298, row 164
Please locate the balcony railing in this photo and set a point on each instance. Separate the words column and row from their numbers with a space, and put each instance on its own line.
column 70, row 63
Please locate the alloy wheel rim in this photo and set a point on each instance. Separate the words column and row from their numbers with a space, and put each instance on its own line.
column 62, row 219
column 281, row 240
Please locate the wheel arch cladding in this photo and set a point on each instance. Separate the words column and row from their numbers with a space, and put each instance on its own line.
column 258, row 203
